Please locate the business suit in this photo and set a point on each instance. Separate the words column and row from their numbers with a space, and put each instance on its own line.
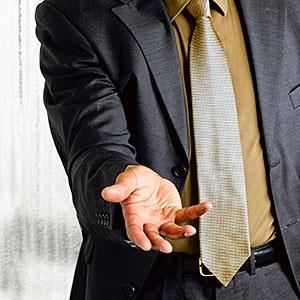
column 114, row 97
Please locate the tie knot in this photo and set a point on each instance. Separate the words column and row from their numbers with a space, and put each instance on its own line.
column 199, row 8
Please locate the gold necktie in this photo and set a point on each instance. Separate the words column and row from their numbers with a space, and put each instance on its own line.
column 223, row 232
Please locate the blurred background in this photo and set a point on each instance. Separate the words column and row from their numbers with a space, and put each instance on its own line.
column 39, row 233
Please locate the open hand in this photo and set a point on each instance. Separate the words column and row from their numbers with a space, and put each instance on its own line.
column 152, row 208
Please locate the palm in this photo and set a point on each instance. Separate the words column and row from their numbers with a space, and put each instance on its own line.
column 152, row 208
column 152, row 205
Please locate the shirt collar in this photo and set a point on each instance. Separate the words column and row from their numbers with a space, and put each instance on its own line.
column 175, row 7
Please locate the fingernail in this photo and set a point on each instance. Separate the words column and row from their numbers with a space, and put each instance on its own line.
column 167, row 249
column 188, row 234
column 209, row 205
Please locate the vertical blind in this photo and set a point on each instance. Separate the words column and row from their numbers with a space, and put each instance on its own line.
column 39, row 233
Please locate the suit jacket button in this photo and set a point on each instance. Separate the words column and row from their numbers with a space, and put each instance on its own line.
column 129, row 290
column 98, row 218
column 106, row 220
column 179, row 171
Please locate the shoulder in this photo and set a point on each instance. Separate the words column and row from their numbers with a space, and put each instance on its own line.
column 68, row 6
column 90, row 17
column 79, row 11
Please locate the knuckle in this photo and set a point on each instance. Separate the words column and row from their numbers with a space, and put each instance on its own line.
column 153, row 233
column 156, row 239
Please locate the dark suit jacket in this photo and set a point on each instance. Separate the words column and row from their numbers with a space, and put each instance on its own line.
column 114, row 97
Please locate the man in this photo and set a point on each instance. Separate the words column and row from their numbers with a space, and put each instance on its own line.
column 122, row 83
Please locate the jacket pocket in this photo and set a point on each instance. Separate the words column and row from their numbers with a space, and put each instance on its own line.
column 294, row 95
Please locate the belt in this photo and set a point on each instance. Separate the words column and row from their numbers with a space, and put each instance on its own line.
column 261, row 256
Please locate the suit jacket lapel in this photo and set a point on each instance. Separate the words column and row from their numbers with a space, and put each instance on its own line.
column 150, row 25
column 263, row 20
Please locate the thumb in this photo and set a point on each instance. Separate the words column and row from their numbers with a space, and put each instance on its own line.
column 125, row 185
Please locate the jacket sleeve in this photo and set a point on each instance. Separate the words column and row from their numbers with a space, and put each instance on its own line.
column 86, row 119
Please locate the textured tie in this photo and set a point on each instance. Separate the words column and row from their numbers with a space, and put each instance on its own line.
column 223, row 232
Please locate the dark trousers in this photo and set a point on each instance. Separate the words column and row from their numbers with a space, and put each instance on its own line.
column 268, row 283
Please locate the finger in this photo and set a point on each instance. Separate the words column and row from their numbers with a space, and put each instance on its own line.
column 158, row 242
column 136, row 234
column 126, row 183
column 192, row 212
column 176, row 232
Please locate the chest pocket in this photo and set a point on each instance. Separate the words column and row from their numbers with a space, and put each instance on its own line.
column 295, row 97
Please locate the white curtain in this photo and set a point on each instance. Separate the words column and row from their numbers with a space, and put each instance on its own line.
column 39, row 233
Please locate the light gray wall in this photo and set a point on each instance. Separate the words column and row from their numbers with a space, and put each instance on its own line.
column 39, row 233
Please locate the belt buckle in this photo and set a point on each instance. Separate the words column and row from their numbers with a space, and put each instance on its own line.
column 201, row 270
